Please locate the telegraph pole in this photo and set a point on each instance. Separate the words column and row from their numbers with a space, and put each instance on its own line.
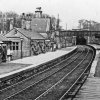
column 66, row 26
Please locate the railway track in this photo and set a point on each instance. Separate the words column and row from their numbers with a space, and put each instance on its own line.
column 82, row 71
column 24, row 74
column 40, row 87
column 54, row 83
column 20, row 86
column 54, row 92
column 59, row 90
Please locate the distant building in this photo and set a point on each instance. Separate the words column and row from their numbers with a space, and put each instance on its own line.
column 37, row 24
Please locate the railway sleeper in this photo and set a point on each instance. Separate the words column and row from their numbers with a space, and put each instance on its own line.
column 77, row 86
column 87, row 73
column 83, row 78
column 82, row 81
column 72, row 94
column 23, row 75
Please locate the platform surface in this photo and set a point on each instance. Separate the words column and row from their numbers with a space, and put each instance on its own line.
column 90, row 90
column 15, row 66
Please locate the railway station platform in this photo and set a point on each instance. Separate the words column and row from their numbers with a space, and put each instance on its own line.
column 15, row 66
column 91, row 88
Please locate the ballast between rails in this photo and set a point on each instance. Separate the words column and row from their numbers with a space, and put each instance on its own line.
column 38, row 73
column 25, row 71
column 38, row 81
column 60, row 74
column 47, row 91
column 85, row 72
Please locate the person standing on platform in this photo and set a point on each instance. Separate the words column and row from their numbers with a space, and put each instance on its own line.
column 9, row 54
column 4, row 53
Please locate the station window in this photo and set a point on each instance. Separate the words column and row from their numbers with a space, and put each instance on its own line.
column 17, row 46
column 14, row 46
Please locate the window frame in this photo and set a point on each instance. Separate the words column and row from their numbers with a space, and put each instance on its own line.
column 14, row 46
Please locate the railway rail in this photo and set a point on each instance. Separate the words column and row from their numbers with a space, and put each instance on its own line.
column 55, row 83
column 36, row 78
column 24, row 74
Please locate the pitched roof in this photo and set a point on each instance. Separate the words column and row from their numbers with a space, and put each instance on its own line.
column 40, row 24
column 45, row 35
column 29, row 34
column 3, row 38
column 11, row 33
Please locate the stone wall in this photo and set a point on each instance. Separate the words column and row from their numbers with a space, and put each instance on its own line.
column 16, row 54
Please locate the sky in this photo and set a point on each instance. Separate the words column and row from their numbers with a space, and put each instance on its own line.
column 70, row 11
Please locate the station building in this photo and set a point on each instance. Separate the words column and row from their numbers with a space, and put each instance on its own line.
column 31, row 37
column 22, row 39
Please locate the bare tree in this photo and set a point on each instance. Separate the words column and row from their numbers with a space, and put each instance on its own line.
column 89, row 25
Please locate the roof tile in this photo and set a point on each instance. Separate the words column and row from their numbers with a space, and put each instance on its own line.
column 28, row 33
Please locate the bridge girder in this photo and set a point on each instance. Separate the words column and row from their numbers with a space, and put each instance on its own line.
column 78, row 33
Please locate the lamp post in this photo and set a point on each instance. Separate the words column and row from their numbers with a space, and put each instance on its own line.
column 74, row 40
column 21, row 48
column 65, row 41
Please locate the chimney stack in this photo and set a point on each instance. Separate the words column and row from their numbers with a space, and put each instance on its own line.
column 28, row 22
column 23, row 21
column 38, row 12
column 11, row 24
